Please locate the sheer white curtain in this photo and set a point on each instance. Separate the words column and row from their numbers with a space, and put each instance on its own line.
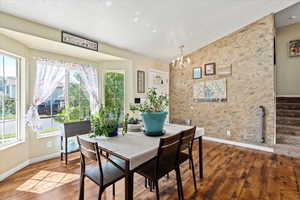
column 90, row 80
column 49, row 74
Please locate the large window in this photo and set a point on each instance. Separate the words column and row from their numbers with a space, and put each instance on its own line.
column 70, row 93
column 9, row 100
column 114, row 90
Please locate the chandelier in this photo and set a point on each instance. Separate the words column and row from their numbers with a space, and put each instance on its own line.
column 181, row 61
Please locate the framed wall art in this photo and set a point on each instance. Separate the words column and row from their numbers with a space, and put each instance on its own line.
column 75, row 40
column 140, row 81
column 210, row 69
column 294, row 48
column 197, row 73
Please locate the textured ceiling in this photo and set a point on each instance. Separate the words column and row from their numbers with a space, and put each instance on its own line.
column 290, row 15
column 151, row 27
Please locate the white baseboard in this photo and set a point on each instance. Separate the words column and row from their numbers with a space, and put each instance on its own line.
column 26, row 163
column 288, row 96
column 14, row 170
column 43, row 158
column 250, row 146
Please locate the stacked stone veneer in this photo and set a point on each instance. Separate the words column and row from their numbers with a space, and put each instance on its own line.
column 250, row 52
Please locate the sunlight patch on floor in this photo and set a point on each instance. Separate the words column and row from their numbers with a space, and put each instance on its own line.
column 45, row 180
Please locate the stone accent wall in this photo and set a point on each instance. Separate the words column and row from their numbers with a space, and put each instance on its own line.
column 250, row 52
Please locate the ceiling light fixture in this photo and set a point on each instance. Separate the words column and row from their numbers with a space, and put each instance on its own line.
column 136, row 19
column 181, row 61
column 108, row 3
column 292, row 17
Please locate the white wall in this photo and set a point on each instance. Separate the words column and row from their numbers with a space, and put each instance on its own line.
column 288, row 68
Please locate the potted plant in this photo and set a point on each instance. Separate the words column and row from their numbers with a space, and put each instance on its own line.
column 133, row 125
column 153, row 112
column 105, row 122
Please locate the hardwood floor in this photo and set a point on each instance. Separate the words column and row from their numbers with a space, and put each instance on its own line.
column 231, row 173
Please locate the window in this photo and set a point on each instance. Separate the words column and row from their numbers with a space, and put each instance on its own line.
column 9, row 100
column 70, row 92
column 78, row 96
column 114, row 90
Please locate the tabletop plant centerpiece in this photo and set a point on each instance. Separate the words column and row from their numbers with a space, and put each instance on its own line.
column 153, row 112
column 105, row 122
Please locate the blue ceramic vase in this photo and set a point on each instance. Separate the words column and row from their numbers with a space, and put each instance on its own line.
column 154, row 122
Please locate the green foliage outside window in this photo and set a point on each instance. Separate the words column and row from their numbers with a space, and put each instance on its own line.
column 114, row 90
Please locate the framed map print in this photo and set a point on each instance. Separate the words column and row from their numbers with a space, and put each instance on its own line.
column 210, row 91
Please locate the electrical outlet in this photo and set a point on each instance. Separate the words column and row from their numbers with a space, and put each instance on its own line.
column 228, row 133
column 49, row 144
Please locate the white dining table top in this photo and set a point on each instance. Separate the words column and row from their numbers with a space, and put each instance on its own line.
column 136, row 146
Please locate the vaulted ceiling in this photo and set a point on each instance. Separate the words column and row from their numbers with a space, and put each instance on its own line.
column 151, row 27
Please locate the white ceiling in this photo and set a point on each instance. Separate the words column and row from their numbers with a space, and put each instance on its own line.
column 151, row 27
column 56, row 47
column 290, row 15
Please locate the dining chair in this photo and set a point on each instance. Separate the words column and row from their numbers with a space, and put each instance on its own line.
column 104, row 174
column 187, row 140
column 166, row 161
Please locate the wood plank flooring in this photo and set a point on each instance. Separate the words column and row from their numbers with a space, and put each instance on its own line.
column 231, row 173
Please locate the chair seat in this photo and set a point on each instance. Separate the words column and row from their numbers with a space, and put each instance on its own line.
column 148, row 169
column 183, row 157
column 111, row 174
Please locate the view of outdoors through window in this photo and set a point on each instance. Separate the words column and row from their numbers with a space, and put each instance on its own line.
column 114, row 90
column 70, row 92
column 8, row 99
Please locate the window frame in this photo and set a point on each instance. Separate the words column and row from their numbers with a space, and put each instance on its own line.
column 20, row 137
column 103, row 85
column 66, row 99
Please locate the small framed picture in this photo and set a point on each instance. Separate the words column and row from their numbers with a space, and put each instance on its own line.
column 197, row 73
column 294, row 48
column 210, row 69
column 140, row 81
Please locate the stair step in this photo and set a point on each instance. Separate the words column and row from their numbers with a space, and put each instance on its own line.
column 287, row 113
column 288, row 150
column 288, row 106
column 288, row 130
column 287, row 139
column 288, row 121
column 288, row 99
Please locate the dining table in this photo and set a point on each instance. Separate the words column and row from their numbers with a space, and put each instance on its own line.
column 136, row 148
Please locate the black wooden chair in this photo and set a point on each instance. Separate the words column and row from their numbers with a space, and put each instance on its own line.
column 104, row 174
column 187, row 140
column 166, row 161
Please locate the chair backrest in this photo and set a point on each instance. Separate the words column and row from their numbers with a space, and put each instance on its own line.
column 169, row 148
column 187, row 138
column 77, row 128
column 89, row 150
column 187, row 122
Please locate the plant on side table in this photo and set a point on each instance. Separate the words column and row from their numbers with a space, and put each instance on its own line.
column 153, row 112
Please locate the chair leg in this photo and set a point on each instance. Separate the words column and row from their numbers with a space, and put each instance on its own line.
column 81, row 190
column 194, row 176
column 179, row 184
column 114, row 190
column 100, row 193
column 146, row 184
column 157, row 190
